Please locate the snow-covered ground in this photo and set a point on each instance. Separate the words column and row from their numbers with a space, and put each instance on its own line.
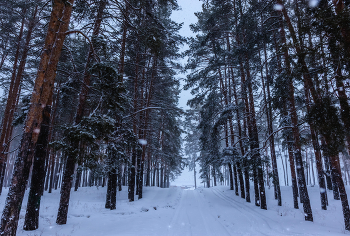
column 177, row 211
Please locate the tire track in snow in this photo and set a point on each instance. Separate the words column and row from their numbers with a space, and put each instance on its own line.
column 174, row 224
column 254, row 214
column 251, row 220
column 214, row 219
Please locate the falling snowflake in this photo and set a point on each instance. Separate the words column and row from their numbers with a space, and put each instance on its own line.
column 142, row 142
column 278, row 7
column 36, row 131
column 313, row 3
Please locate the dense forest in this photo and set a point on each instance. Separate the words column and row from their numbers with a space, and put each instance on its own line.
column 90, row 92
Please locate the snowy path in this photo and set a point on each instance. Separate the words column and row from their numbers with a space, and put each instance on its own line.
column 194, row 216
column 176, row 212
column 211, row 212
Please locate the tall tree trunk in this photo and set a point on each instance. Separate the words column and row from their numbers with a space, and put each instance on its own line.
column 109, row 190
column 38, row 172
column 31, row 221
column 78, row 178
column 141, row 131
column 148, row 94
column 240, row 134
column 141, row 172
column 121, row 69
column 227, row 101
column 58, row 25
column 148, row 172
column 293, row 176
column 50, row 157
column 276, row 181
column 57, row 171
column 47, row 171
column 125, row 31
column 230, row 175
column 319, row 164
column 52, row 171
column 131, row 187
column 257, row 171
column 328, row 172
column 294, row 119
column 154, row 176
column 70, row 162
column 132, row 174
column 298, row 158
column 247, row 118
column 161, row 185
column 343, row 196
column 120, row 170
column 113, row 192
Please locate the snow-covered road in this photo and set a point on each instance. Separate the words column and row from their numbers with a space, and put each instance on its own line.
column 206, row 212
column 216, row 211
column 197, row 216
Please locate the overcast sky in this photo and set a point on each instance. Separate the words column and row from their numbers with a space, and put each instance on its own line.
column 186, row 15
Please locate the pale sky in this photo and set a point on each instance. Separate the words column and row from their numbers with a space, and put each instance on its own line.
column 186, row 15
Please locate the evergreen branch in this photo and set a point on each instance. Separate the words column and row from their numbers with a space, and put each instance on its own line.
column 97, row 59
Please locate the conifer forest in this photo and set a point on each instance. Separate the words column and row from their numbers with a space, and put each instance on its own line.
column 92, row 129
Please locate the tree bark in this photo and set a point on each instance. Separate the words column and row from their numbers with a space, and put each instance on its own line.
column 131, row 188
column 343, row 196
column 78, row 178
column 230, row 175
column 132, row 174
column 120, row 170
column 109, row 189
column 31, row 221
column 113, row 192
column 293, row 176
